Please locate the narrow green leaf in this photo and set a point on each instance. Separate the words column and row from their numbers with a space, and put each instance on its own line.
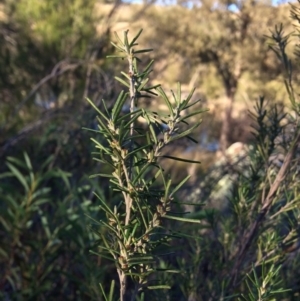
column 136, row 37
column 147, row 69
column 125, row 116
column 167, row 188
column 27, row 160
column 180, row 185
column 150, row 183
column 182, row 219
column 7, row 226
column 41, row 201
column 190, row 95
column 40, row 192
column 181, row 235
column 115, row 56
column 146, row 115
column 185, row 133
column 186, row 106
column 103, row 127
column 135, row 60
column 111, row 291
column 15, row 205
column 17, row 162
column 104, row 130
column 145, row 274
column 162, row 93
column 105, row 162
column 168, row 271
column 197, row 112
column 117, row 186
column 178, row 93
column 156, row 287
column 105, row 107
column 122, row 81
column 117, row 46
column 119, row 105
column 139, row 149
column 19, row 176
column 99, row 145
column 131, row 233
column 118, row 38
column 152, row 87
column 126, row 75
column 143, row 50
column 148, row 118
column 142, row 85
column 92, row 130
column 6, row 175
column 192, row 139
column 177, row 105
column 45, row 224
column 4, row 254
column 98, row 111
column 180, row 159
column 144, row 95
column 143, row 170
column 110, row 228
column 107, row 209
column 141, row 213
column 101, row 175
column 126, row 43
column 153, row 134
column 139, row 257
column 103, row 292
column 103, row 255
column 112, row 252
column 95, row 221
column 149, row 90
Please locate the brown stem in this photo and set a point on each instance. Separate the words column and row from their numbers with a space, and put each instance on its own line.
column 250, row 237
column 123, row 284
column 132, row 93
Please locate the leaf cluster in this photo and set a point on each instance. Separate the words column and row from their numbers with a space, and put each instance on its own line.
column 135, row 226
column 44, row 239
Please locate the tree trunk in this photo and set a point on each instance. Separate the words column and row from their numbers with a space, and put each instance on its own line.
column 226, row 122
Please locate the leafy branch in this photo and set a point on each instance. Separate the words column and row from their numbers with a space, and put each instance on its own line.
column 134, row 228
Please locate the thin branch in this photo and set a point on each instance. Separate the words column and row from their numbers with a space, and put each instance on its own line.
column 247, row 242
column 133, row 98
column 58, row 70
column 26, row 130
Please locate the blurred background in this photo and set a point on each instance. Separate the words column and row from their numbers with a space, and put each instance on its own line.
column 53, row 56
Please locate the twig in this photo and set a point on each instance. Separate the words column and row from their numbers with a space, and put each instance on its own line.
column 246, row 243
column 26, row 130
column 56, row 71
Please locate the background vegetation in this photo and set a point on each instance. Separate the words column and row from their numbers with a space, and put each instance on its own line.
column 52, row 56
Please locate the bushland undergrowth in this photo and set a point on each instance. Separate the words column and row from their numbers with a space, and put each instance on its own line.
column 142, row 245
column 244, row 240
column 135, row 226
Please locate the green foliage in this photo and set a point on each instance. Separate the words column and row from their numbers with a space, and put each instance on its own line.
column 64, row 27
column 239, row 242
column 263, row 287
column 218, row 37
column 136, row 234
column 48, row 63
column 251, row 246
column 44, row 239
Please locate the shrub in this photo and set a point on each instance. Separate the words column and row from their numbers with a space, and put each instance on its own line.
column 241, row 252
column 136, row 237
